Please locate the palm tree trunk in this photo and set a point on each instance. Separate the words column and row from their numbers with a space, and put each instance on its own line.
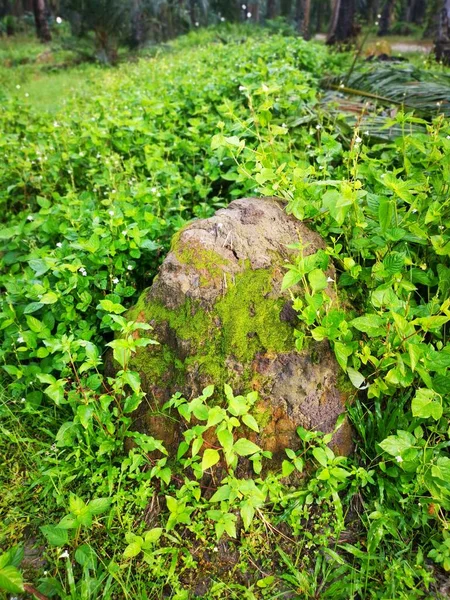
column 386, row 17
column 286, row 8
column 42, row 28
column 306, row 19
column 442, row 44
column 342, row 28
column 271, row 9
column 137, row 25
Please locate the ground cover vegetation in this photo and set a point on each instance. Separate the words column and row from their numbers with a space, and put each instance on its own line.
column 91, row 197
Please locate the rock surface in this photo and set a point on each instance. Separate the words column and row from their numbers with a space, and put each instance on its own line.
column 219, row 314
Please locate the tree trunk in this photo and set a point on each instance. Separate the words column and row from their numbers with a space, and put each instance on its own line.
column 306, row 20
column 342, row 28
column 386, row 17
column 271, row 9
column 42, row 28
column 442, row 43
column 286, row 8
column 137, row 25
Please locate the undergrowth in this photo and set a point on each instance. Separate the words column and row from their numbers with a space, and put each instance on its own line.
column 90, row 198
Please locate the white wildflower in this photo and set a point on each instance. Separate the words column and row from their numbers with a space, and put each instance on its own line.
column 330, row 280
column 115, row 280
column 59, row 20
column 111, row 213
column 124, row 232
column 318, row 127
column 358, row 140
column 59, row 245
column 242, row 88
column 18, row 87
column 249, row 15
column 27, row 95
column 244, row 6
column 65, row 554
column 399, row 459
column 30, row 218
column 20, row 339
column 130, row 267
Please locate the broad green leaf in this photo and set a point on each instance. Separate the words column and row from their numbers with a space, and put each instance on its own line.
column 55, row 536
column 250, row 422
column 317, row 280
column 132, row 550
column 11, row 580
column 210, row 458
column 373, row 325
column 49, row 298
column 427, row 403
column 321, row 456
column 153, row 535
column 245, row 447
column 247, row 514
column 396, row 444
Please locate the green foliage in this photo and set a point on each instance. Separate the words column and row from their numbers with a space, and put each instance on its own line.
column 91, row 198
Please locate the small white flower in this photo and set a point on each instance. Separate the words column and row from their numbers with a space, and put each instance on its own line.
column 20, row 339
column 99, row 155
column 124, row 232
column 441, row 227
column 379, row 16
column 154, row 190
column 130, row 267
column 45, row 573
column 18, row 87
column 111, row 213
column 65, row 554
column 366, row 133
column 59, row 20
column 399, row 459
column 284, row 125
column 113, row 191
column 81, row 154
column 222, row 19
column 197, row 23
column 318, row 127
column 376, row 23
column 249, row 15
column 30, row 218
column 115, row 280
column 342, row 86
column 330, row 280
column 414, row 210
column 22, row 400
column 244, row 7
column 448, row 137
column 242, row 88
column 59, row 245
column 358, row 140
column 27, row 95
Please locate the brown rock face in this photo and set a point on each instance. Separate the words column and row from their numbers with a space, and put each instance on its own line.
column 220, row 316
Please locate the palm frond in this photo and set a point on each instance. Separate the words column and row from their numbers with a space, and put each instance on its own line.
column 428, row 94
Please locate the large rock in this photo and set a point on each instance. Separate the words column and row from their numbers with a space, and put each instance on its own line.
column 219, row 314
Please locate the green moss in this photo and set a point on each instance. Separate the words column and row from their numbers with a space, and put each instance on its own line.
column 244, row 322
column 207, row 262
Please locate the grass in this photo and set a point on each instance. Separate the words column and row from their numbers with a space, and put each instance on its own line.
column 93, row 191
